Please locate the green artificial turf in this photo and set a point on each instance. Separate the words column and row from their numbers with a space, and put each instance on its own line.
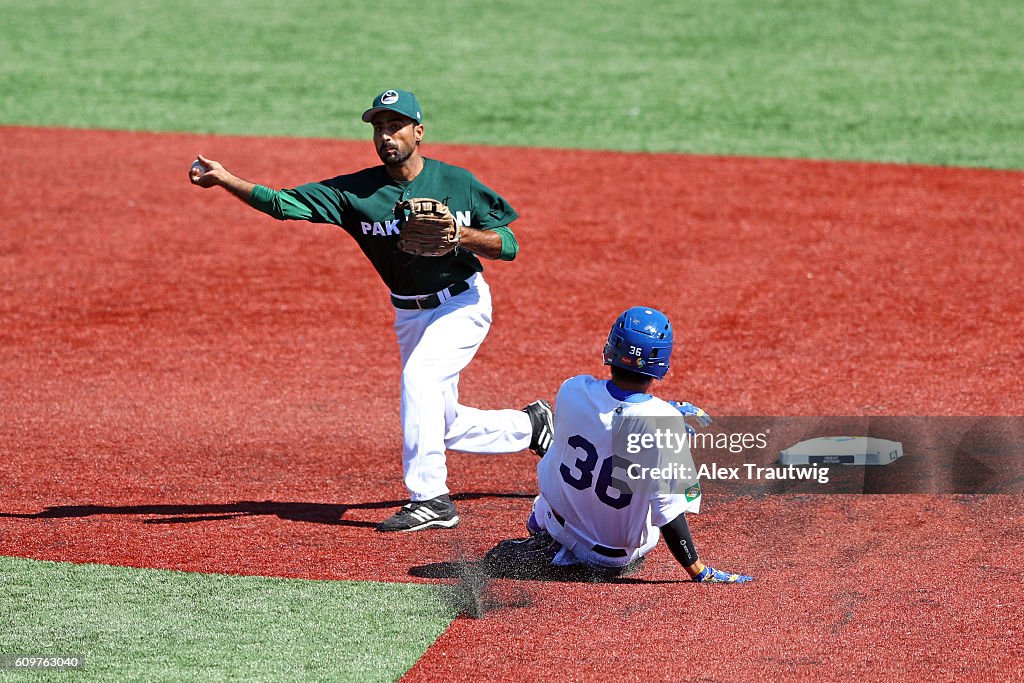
column 894, row 80
column 154, row 625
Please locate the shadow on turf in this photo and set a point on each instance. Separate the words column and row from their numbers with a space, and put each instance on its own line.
column 316, row 513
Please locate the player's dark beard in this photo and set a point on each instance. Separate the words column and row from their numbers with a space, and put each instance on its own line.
column 393, row 155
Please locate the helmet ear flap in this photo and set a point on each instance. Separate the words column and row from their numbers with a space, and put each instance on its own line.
column 612, row 348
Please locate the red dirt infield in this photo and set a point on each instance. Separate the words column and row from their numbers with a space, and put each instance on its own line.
column 188, row 384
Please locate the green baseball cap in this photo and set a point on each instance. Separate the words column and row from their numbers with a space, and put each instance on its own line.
column 401, row 101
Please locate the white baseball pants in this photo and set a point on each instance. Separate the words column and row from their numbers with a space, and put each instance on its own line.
column 576, row 548
column 435, row 345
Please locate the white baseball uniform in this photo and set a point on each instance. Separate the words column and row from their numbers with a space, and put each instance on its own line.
column 588, row 502
column 436, row 344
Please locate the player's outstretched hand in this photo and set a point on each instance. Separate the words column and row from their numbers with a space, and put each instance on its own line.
column 712, row 575
column 205, row 172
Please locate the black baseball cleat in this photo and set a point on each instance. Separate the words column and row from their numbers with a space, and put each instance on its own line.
column 542, row 417
column 426, row 514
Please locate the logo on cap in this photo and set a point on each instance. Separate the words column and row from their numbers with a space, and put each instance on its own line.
column 390, row 97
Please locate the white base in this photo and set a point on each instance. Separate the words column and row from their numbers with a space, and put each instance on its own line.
column 842, row 450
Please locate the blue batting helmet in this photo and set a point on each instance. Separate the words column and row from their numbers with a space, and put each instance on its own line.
column 640, row 341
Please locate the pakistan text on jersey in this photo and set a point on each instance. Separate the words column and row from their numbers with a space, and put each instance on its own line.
column 390, row 227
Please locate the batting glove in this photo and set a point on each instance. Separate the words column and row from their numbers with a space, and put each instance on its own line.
column 690, row 410
column 712, row 575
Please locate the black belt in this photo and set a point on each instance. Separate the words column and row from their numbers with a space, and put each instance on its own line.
column 430, row 300
column 599, row 549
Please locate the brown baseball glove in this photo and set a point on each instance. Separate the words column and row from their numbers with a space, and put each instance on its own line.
column 428, row 227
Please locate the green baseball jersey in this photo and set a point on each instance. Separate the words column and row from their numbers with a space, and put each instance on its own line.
column 363, row 204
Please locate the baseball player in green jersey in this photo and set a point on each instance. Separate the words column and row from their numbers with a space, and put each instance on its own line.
column 442, row 302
